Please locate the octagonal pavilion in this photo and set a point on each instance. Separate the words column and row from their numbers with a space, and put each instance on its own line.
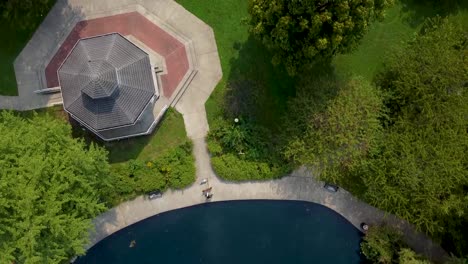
column 108, row 86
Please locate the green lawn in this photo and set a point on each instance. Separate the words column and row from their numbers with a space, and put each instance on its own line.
column 401, row 24
column 14, row 40
column 382, row 39
column 229, row 32
column 169, row 134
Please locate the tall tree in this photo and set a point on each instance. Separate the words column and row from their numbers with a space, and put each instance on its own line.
column 421, row 170
column 336, row 138
column 49, row 186
column 24, row 14
column 302, row 31
column 384, row 245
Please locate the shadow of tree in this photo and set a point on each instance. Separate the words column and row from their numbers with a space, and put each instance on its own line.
column 265, row 95
column 257, row 90
column 313, row 93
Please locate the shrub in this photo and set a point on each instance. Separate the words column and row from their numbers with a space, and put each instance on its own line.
column 174, row 169
column 383, row 244
column 243, row 151
column 230, row 166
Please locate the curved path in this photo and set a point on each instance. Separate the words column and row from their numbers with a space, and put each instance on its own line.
column 300, row 185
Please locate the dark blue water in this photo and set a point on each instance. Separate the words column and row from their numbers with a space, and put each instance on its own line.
column 235, row 232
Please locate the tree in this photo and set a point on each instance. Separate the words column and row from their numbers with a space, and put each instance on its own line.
column 384, row 245
column 49, row 186
column 336, row 138
column 406, row 155
column 408, row 256
column 420, row 171
column 24, row 13
column 301, row 31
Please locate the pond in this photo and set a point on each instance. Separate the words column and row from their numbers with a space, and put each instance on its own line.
column 255, row 231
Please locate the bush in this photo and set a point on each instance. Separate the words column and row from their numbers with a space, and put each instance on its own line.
column 175, row 169
column 336, row 139
column 242, row 151
column 232, row 167
column 382, row 244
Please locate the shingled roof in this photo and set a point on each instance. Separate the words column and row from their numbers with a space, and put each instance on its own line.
column 106, row 82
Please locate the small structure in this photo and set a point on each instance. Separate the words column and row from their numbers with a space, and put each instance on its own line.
column 109, row 87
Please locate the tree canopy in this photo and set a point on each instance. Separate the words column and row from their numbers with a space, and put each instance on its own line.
column 401, row 146
column 24, row 13
column 302, row 31
column 336, row 138
column 384, row 245
column 49, row 186
column 420, row 172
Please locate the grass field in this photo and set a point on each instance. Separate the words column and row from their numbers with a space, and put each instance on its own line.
column 382, row 39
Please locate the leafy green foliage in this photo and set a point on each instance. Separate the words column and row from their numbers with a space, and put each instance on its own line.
column 403, row 148
column 232, row 167
column 337, row 138
column 455, row 260
column 24, row 13
column 420, row 172
column 49, row 190
column 241, row 151
column 408, row 256
column 175, row 169
column 384, row 245
column 381, row 244
column 301, row 31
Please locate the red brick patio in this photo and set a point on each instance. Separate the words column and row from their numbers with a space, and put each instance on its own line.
column 141, row 28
